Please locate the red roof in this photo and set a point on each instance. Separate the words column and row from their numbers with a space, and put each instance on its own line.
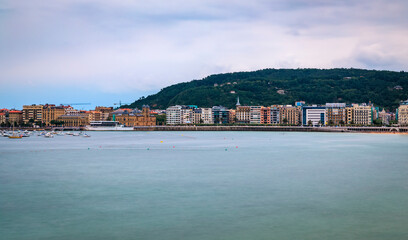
column 15, row 111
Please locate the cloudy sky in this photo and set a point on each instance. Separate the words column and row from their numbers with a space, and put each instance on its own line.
column 103, row 51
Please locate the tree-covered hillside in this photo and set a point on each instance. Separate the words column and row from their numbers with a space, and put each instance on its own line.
column 285, row 86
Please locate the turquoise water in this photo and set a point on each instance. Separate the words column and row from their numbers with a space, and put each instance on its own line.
column 205, row 185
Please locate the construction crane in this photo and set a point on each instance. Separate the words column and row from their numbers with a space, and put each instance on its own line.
column 120, row 103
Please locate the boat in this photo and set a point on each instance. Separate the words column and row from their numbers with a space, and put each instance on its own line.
column 14, row 135
column 86, row 135
column 107, row 126
column 48, row 135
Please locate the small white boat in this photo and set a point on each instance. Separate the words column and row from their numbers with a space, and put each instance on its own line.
column 49, row 135
column 86, row 135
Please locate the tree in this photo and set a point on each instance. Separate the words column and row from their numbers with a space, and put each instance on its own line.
column 341, row 122
column 309, row 123
column 285, row 121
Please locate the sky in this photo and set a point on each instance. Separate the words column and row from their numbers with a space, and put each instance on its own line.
column 105, row 51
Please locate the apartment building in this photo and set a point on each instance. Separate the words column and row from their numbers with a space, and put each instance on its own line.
column 255, row 114
column 33, row 113
column 207, row 116
column 403, row 113
column 289, row 115
column 362, row 114
column 242, row 114
column 313, row 115
column 266, row 115
column 335, row 113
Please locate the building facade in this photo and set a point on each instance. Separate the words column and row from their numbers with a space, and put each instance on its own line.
column 33, row 113
column 289, row 115
column 313, row 115
column 255, row 114
column 362, row 114
column 335, row 113
column 242, row 114
column 403, row 114
column 265, row 115
column 51, row 113
column 207, row 116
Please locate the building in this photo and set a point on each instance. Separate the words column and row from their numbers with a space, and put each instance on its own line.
column 403, row 114
column 220, row 114
column 96, row 116
column 3, row 116
column 275, row 114
column 265, row 115
column 33, row 113
column 51, row 114
column 242, row 114
column 385, row 117
column 197, row 116
column 79, row 120
column 349, row 114
column 207, row 116
column 105, row 112
column 289, row 115
column 232, row 116
column 313, row 115
column 173, row 115
column 255, row 114
column 132, row 118
column 15, row 117
column 362, row 114
column 335, row 114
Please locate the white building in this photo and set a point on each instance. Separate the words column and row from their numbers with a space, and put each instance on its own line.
column 314, row 115
column 207, row 115
column 255, row 114
column 173, row 115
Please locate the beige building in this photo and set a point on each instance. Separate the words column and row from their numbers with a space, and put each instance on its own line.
column 207, row 116
column 349, row 115
column 403, row 114
column 51, row 113
column 232, row 116
column 105, row 112
column 335, row 113
column 289, row 115
column 3, row 118
column 34, row 112
column 362, row 115
column 15, row 117
column 243, row 114
column 79, row 120
column 130, row 119
column 95, row 116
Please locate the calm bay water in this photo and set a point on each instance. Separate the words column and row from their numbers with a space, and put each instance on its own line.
column 205, row 185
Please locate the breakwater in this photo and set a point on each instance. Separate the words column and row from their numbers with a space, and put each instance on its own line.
column 275, row 128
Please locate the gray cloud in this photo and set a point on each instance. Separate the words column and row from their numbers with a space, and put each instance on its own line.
column 115, row 46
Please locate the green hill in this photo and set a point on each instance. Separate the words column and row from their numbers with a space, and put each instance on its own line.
column 285, row 86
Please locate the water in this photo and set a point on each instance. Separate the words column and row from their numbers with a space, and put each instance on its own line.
column 205, row 185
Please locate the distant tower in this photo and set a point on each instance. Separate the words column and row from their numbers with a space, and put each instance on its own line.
column 238, row 104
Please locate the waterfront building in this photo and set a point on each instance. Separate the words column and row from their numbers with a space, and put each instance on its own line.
column 232, row 116
column 385, row 117
column 275, row 114
column 349, row 114
column 255, row 114
column 207, row 116
column 362, row 114
column 105, row 112
column 242, row 114
column 32, row 112
column 220, row 114
column 131, row 118
column 79, row 120
column 51, row 113
column 197, row 115
column 71, row 111
column 187, row 115
column 313, row 115
column 335, row 114
column 289, row 115
column 3, row 118
column 15, row 117
column 265, row 115
column 403, row 114
column 173, row 115
column 95, row 116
